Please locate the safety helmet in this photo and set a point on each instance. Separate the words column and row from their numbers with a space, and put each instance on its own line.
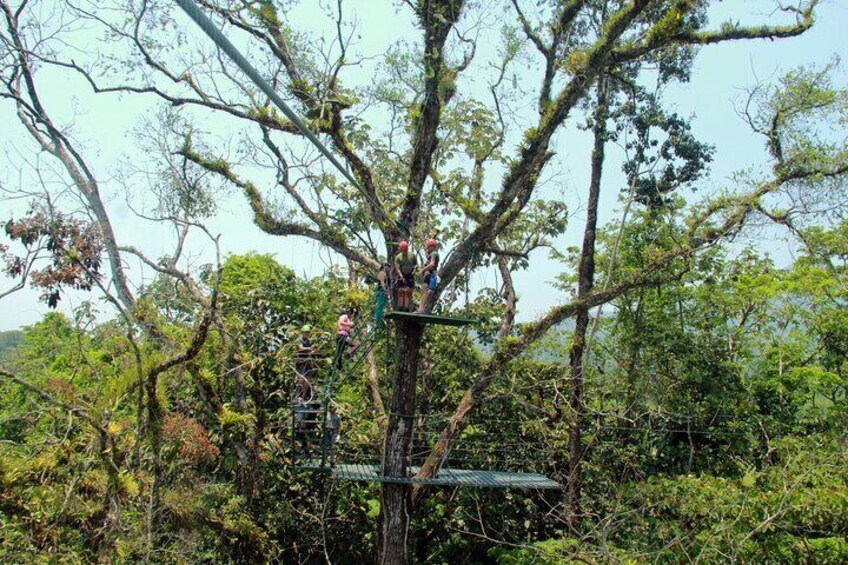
column 430, row 243
column 306, row 328
column 403, row 246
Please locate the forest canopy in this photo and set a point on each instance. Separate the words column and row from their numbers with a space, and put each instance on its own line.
column 685, row 387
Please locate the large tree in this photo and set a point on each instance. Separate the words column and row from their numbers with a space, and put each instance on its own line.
column 432, row 152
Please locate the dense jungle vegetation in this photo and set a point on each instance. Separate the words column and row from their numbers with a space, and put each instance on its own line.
column 717, row 431
column 687, row 386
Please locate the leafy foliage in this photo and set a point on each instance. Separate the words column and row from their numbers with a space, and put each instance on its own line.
column 707, row 416
column 74, row 248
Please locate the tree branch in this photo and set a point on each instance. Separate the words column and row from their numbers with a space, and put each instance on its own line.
column 521, row 180
column 326, row 115
column 71, row 408
column 732, row 32
column 437, row 17
column 510, row 299
column 266, row 221
column 700, row 236
column 57, row 144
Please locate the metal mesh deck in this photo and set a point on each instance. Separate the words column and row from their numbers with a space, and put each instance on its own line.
column 428, row 318
column 446, row 477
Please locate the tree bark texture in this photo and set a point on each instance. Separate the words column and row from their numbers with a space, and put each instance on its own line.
column 510, row 299
column 396, row 500
column 585, row 282
column 372, row 382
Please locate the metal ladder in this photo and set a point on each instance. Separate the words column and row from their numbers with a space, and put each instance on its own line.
column 312, row 415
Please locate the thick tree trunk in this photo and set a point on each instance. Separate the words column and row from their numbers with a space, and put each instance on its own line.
column 585, row 282
column 425, row 374
column 396, row 503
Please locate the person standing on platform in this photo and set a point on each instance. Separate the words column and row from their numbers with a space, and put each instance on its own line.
column 405, row 263
column 428, row 274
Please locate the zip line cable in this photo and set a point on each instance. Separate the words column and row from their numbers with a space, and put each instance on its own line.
column 204, row 23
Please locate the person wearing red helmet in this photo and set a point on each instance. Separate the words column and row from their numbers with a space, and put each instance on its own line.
column 428, row 273
column 405, row 263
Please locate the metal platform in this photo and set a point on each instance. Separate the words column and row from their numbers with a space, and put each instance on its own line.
column 428, row 318
column 446, row 477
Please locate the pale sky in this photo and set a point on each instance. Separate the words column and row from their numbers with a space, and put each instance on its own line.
column 104, row 124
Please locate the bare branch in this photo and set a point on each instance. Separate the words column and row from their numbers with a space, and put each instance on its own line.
column 32, row 112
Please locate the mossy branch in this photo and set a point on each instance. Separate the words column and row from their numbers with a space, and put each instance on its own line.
column 664, row 34
column 267, row 222
column 700, row 236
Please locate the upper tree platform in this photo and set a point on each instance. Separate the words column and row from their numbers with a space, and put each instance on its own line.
column 428, row 318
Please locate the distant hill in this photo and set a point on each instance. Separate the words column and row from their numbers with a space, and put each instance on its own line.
column 10, row 339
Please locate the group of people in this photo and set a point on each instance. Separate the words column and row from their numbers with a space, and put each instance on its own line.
column 405, row 267
column 307, row 407
column 400, row 278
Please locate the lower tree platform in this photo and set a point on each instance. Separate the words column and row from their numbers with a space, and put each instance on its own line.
column 428, row 318
column 446, row 477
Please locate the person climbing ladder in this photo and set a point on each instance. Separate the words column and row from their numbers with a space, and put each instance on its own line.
column 344, row 344
column 301, row 425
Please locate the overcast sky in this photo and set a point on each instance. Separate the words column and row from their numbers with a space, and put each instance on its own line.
column 104, row 124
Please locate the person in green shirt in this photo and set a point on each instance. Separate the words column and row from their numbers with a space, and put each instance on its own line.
column 405, row 263
column 428, row 273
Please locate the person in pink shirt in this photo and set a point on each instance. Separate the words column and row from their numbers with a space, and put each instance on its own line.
column 344, row 326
